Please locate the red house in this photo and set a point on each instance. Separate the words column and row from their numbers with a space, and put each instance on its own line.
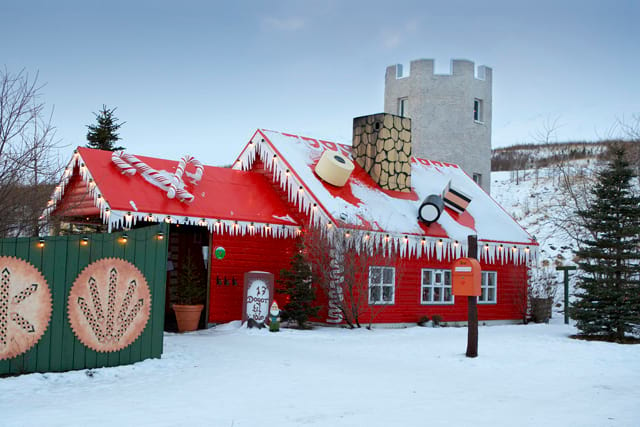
column 404, row 219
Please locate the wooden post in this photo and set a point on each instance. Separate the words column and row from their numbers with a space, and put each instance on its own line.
column 472, row 317
column 566, row 269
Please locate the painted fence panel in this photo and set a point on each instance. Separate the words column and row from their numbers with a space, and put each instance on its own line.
column 106, row 300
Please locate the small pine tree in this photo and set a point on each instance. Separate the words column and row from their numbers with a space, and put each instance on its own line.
column 297, row 285
column 608, row 292
column 103, row 135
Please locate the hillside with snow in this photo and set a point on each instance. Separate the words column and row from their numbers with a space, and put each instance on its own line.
column 542, row 186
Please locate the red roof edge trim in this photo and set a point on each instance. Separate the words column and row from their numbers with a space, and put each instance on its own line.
column 285, row 176
column 300, row 181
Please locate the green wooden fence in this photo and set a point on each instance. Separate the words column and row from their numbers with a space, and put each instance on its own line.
column 60, row 260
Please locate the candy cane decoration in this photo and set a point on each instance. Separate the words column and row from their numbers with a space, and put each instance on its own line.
column 172, row 184
column 177, row 177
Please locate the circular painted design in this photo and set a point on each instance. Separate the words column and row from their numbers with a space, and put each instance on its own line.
column 109, row 305
column 220, row 252
column 25, row 306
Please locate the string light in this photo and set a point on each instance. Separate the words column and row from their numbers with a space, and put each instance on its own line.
column 84, row 241
column 41, row 243
column 160, row 235
column 124, row 238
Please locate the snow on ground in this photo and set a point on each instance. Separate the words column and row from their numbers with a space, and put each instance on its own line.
column 230, row 376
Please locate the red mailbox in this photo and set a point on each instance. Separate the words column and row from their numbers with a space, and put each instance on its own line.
column 466, row 277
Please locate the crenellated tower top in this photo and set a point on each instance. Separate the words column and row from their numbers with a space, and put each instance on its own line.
column 450, row 113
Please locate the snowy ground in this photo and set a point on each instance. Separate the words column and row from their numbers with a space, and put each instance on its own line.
column 229, row 376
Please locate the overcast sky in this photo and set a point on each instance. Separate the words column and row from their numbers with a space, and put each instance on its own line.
column 199, row 77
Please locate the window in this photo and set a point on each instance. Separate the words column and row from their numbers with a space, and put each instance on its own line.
column 477, row 178
column 436, row 287
column 403, row 103
column 381, row 285
column 489, row 288
column 477, row 110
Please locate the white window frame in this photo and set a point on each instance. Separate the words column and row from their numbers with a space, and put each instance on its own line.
column 403, row 103
column 441, row 286
column 382, row 284
column 484, row 297
column 478, row 111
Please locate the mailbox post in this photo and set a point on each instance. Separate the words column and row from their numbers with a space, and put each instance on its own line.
column 466, row 280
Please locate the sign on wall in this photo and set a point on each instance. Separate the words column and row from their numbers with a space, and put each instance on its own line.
column 258, row 294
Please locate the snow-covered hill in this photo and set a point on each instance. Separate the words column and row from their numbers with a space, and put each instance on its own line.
column 533, row 202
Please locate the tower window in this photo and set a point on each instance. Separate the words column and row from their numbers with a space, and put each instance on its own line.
column 477, row 110
column 403, row 103
column 477, row 178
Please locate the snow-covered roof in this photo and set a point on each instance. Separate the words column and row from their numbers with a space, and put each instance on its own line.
column 388, row 216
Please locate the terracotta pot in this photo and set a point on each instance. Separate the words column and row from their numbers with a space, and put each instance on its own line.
column 188, row 316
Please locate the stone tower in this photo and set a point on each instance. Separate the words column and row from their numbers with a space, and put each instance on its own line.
column 450, row 113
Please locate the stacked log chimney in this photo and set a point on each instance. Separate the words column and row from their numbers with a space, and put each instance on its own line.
column 382, row 147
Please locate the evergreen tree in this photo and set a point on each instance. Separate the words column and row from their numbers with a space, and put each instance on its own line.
column 103, row 135
column 608, row 291
column 297, row 285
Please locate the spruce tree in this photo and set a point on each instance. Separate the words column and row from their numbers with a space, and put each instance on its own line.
column 103, row 135
column 608, row 291
column 297, row 285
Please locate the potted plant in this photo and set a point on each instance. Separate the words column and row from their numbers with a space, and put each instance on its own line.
column 190, row 295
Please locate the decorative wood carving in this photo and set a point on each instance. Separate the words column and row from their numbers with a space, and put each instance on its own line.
column 25, row 306
column 109, row 305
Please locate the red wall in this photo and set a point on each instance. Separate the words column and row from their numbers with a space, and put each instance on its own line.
column 243, row 253
column 407, row 308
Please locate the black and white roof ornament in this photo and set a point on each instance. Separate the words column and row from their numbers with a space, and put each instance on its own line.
column 430, row 209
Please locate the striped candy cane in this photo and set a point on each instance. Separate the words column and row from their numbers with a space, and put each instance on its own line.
column 176, row 180
column 173, row 185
